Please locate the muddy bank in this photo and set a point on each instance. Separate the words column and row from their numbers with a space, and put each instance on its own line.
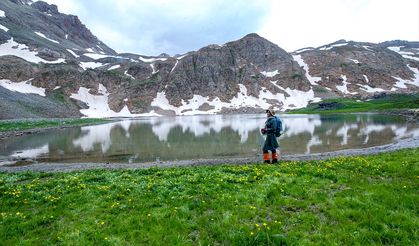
column 68, row 167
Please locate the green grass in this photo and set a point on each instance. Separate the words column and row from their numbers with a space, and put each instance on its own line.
column 26, row 124
column 347, row 105
column 369, row 200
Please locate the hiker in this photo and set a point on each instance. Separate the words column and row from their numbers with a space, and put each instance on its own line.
column 271, row 144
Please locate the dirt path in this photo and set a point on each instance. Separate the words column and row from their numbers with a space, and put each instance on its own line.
column 68, row 167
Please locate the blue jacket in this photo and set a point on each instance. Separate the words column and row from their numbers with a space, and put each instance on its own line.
column 270, row 143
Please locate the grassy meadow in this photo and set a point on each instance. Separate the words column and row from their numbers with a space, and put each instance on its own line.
column 27, row 124
column 348, row 105
column 371, row 200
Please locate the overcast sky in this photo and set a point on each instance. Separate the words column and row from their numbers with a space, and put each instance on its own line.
column 152, row 27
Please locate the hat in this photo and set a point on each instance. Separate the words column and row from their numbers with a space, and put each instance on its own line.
column 270, row 111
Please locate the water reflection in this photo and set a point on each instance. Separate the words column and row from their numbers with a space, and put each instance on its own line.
column 187, row 137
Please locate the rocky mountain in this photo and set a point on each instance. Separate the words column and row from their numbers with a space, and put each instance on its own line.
column 51, row 65
column 359, row 69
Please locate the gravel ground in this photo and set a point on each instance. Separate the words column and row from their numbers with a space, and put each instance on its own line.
column 68, row 167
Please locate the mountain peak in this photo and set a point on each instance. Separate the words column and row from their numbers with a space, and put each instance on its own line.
column 252, row 35
column 253, row 38
column 45, row 7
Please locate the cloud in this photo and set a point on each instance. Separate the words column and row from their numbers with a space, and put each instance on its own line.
column 300, row 23
column 151, row 27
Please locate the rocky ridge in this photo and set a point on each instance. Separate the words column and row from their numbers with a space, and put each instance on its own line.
column 55, row 60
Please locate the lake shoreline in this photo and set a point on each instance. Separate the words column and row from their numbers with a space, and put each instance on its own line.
column 409, row 143
column 411, row 115
column 17, row 133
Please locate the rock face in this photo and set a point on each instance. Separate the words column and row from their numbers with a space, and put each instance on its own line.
column 352, row 68
column 43, row 29
column 42, row 49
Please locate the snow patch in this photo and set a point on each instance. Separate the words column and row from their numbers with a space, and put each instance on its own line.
column 355, row 61
column 2, row 14
column 303, row 49
column 369, row 89
column 154, row 69
column 407, row 55
column 367, row 48
column 4, row 28
column 43, row 36
column 190, row 108
column 151, row 59
column 300, row 61
column 343, row 88
column 329, row 47
column 297, row 99
column 173, row 68
column 98, row 104
column 129, row 75
column 25, row 87
column 21, row 50
column 366, row 78
column 90, row 50
column 114, row 67
column 411, row 57
column 92, row 65
column 401, row 83
column 270, row 74
column 395, row 48
column 303, row 97
column 73, row 53
column 66, row 36
column 97, row 56
column 180, row 57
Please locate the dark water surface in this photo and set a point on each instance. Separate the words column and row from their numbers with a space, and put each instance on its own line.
column 204, row 137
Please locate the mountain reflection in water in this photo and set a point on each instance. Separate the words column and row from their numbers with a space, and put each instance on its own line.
column 214, row 136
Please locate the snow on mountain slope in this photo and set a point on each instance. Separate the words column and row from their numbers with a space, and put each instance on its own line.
column 23, row 87
column 13, row 48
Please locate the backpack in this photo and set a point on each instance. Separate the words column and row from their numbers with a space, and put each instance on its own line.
column 278, row 130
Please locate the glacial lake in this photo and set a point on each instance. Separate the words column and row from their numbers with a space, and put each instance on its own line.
column 203, row 137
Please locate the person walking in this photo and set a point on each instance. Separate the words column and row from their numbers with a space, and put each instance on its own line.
column 271, row 144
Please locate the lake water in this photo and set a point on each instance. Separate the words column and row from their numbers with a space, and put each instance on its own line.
column 204, row 137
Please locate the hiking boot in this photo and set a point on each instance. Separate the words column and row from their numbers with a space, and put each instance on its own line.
column 274, row 161
column 266, row 158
